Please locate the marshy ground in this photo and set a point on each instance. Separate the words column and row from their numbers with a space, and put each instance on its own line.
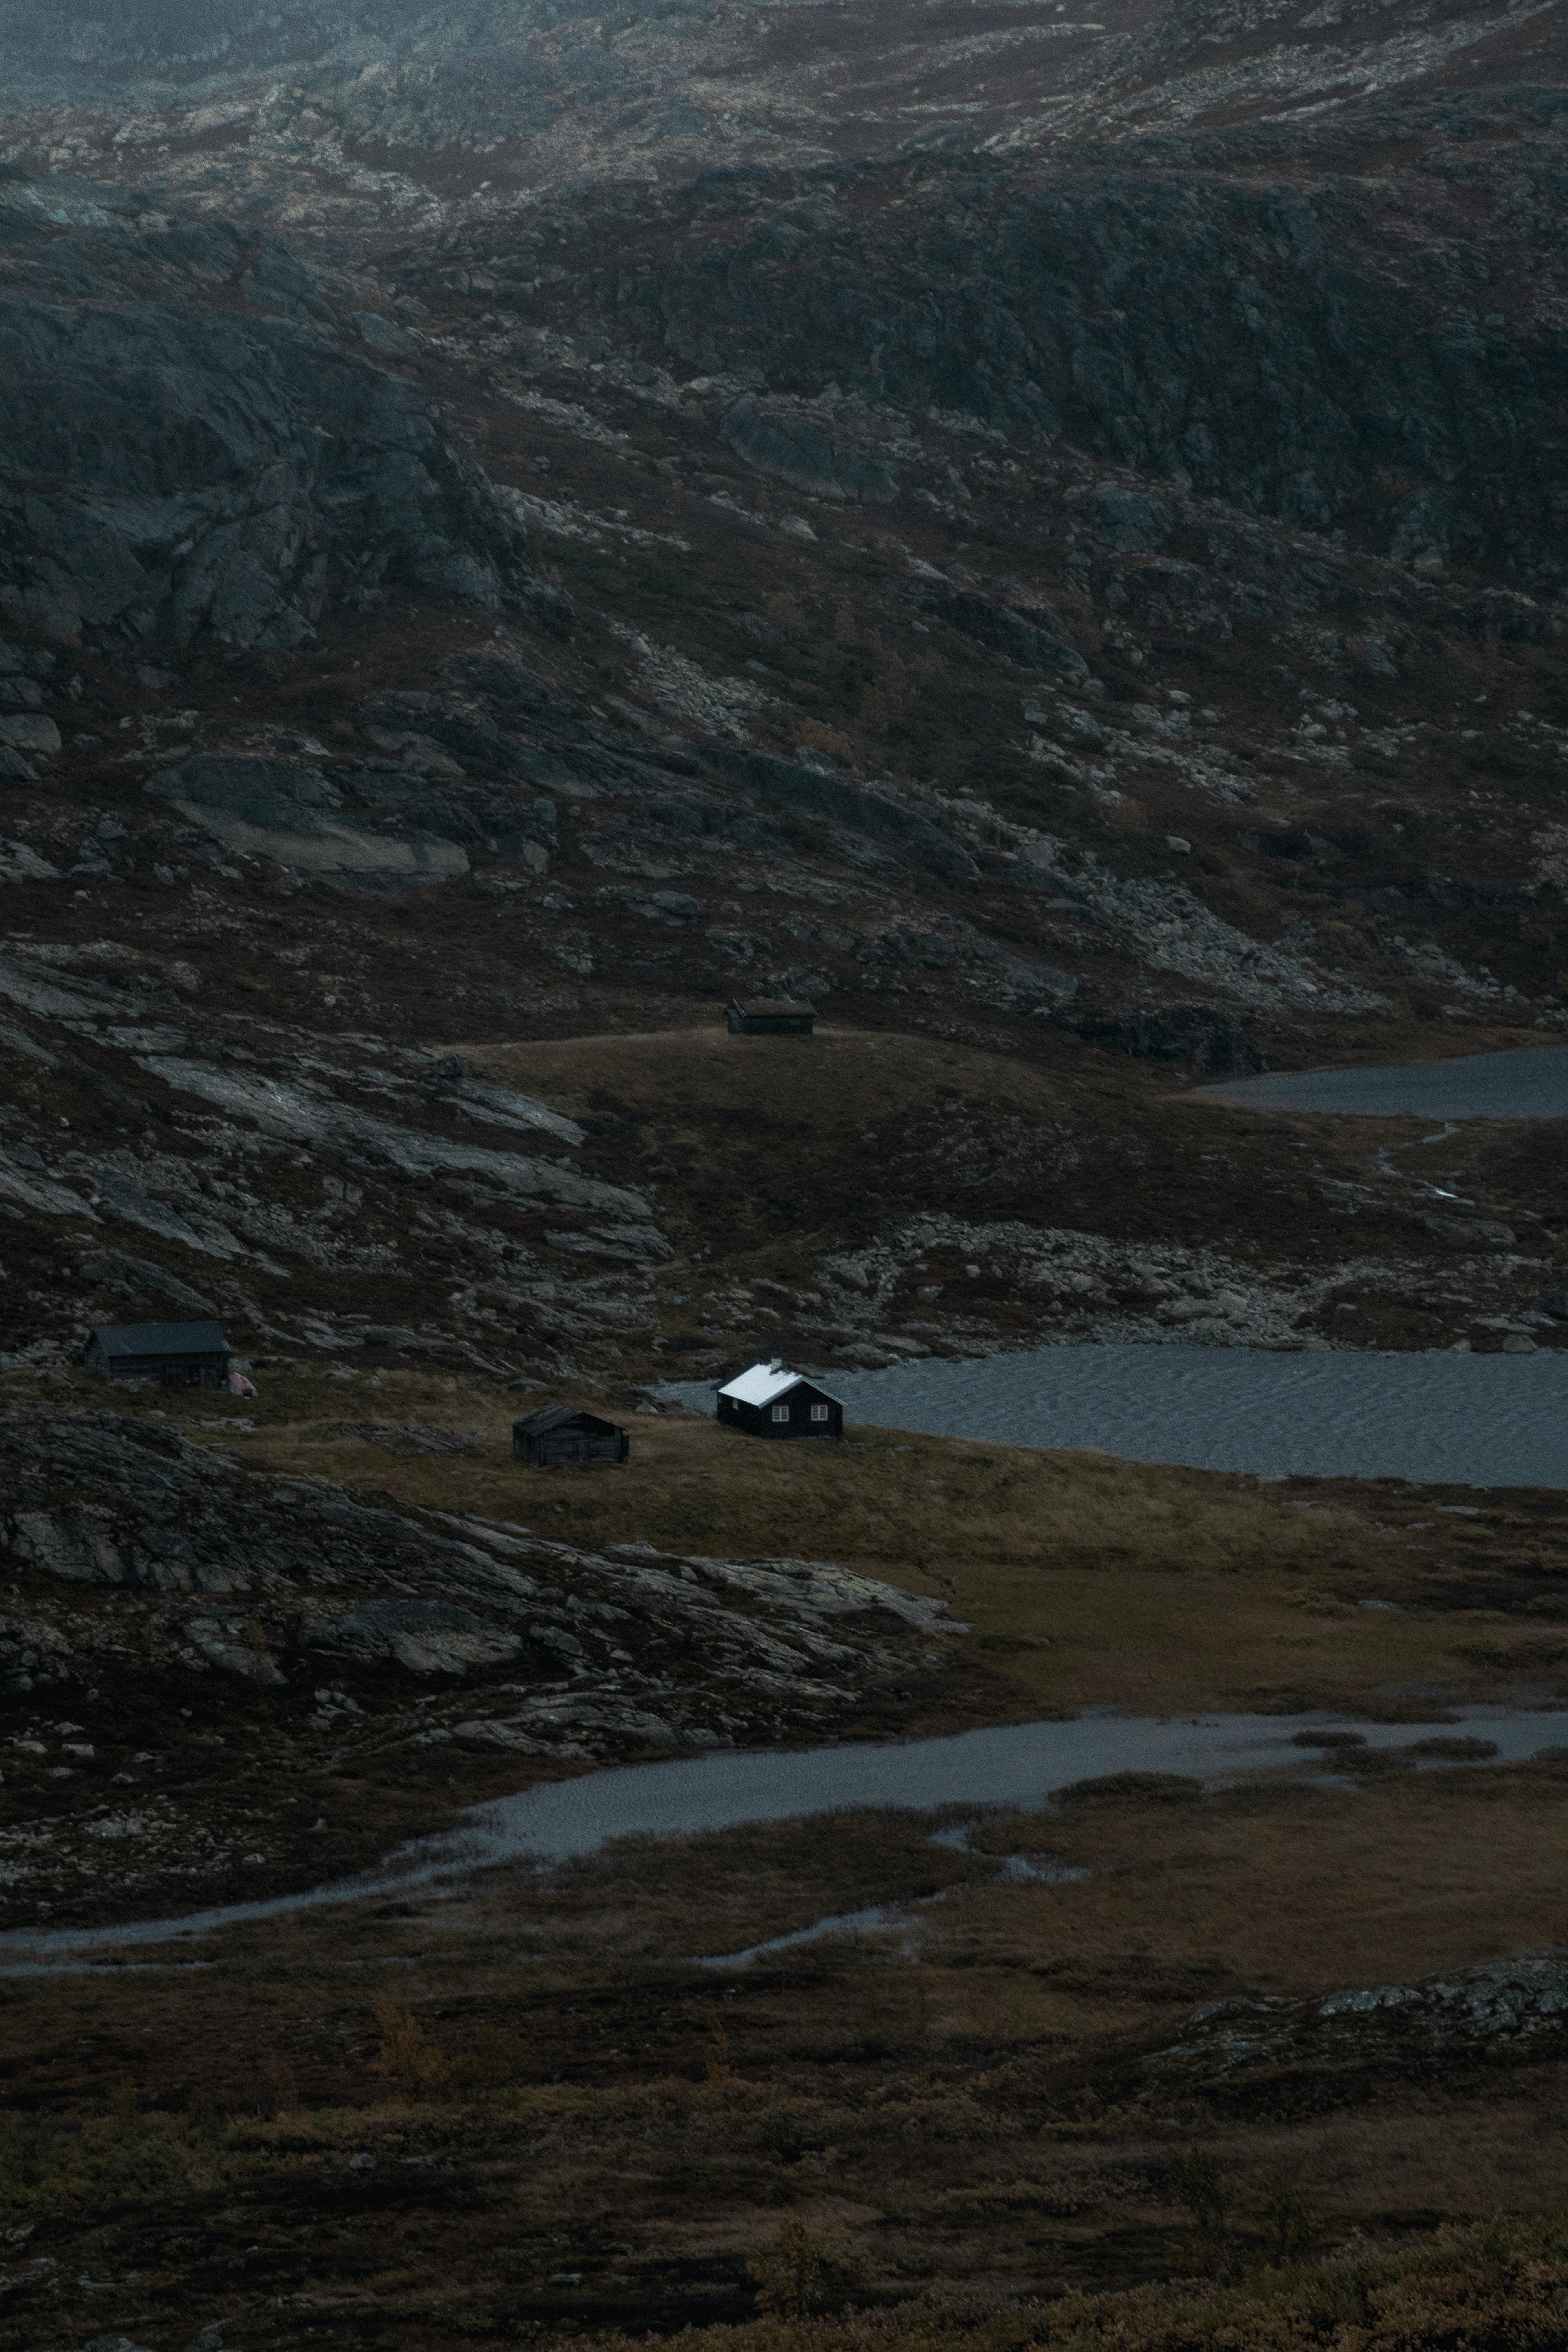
column 528, row 2114
column 526, row 2111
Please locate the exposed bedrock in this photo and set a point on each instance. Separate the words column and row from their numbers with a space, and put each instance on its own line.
column 286, row 811
column 255, row 1577
column 107, row 41
column 1298, row 2055
column 167, row 476
column 1243, row 339
column 1199, row 1036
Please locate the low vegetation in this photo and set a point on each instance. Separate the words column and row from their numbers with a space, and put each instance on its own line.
column 530, row 2113
column 1495, row 2288
column 767, row 1157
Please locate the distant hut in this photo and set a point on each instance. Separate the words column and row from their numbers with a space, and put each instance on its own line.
column 180, row 1355
column 770, row 1401
column 770, row 1016
column 560, row 1434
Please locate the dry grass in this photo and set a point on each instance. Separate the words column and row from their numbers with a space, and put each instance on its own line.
column 599, row 2134
column 1086, row 1579
column 838, row 1078
column 1496, row 2288
column 1294, row 1889
column 762, row 1155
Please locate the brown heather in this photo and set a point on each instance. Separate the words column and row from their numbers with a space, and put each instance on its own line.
column 1499, row 2287
column 942, row 2144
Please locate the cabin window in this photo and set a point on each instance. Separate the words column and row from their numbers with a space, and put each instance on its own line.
column 781, row 1412
column 819, row 1412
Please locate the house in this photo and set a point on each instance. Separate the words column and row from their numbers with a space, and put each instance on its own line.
column 772, row 1402
column 180, row 1355
column 770, row 1016
column 558, row 1434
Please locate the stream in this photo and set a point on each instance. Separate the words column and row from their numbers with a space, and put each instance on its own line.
column 1021, row 1765
column 1442, row 1418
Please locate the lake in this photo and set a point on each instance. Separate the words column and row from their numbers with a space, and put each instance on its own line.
column 1465, row 1419
column 1526, row 1082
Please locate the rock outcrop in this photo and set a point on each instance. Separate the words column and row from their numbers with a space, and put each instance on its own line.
column 102, row 1500
column 171, row 472
column 1240, row 338
column 799, row 451
column 1295, row 2056
column 137, row 1558
column 1069, row 594
column 1199, row 1037
column 268, row 808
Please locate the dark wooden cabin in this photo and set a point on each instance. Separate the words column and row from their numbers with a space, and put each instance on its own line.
column 770, row 1401
column 770, row 1016
column 180, row 1355
column 560, row 1434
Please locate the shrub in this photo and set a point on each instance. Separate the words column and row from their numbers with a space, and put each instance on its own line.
column 282, row 2096
column 811, row 735
column 717, row 2068
column 1196, row 2179
column 797, row 2274
column 1503, row 2288
column 120, row 2157
column 1289, row 2223
column 407, row 2057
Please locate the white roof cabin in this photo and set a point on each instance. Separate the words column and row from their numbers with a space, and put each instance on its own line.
column 763, row 1383
column 770, row 1401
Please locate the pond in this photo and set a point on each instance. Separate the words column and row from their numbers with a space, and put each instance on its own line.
column 1465, row 1420
column 1016, row 1765
column 1528, row 1082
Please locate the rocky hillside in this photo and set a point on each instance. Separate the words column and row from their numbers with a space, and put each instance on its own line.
column 327, row 1636
column 519, row 525
column 507, row 544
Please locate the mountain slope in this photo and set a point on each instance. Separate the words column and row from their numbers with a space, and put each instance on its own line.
column 1071, row 593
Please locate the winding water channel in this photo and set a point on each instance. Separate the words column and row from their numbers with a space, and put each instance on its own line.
column 1443, row 1418
column 1018, row 1765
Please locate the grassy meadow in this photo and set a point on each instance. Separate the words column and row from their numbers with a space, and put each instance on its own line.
column 1086, row 1580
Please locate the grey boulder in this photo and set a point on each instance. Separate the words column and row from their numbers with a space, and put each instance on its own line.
column 1131, row 520
column 429, row 1637
column 1031, row 636
column 797, row 449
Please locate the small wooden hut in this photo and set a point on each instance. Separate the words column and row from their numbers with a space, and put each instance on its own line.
column 560, row 1434
column 770, row 1016
column 770, row 1401
column 180, row 1355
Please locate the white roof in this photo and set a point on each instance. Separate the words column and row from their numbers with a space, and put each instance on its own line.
column 763, row 1383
